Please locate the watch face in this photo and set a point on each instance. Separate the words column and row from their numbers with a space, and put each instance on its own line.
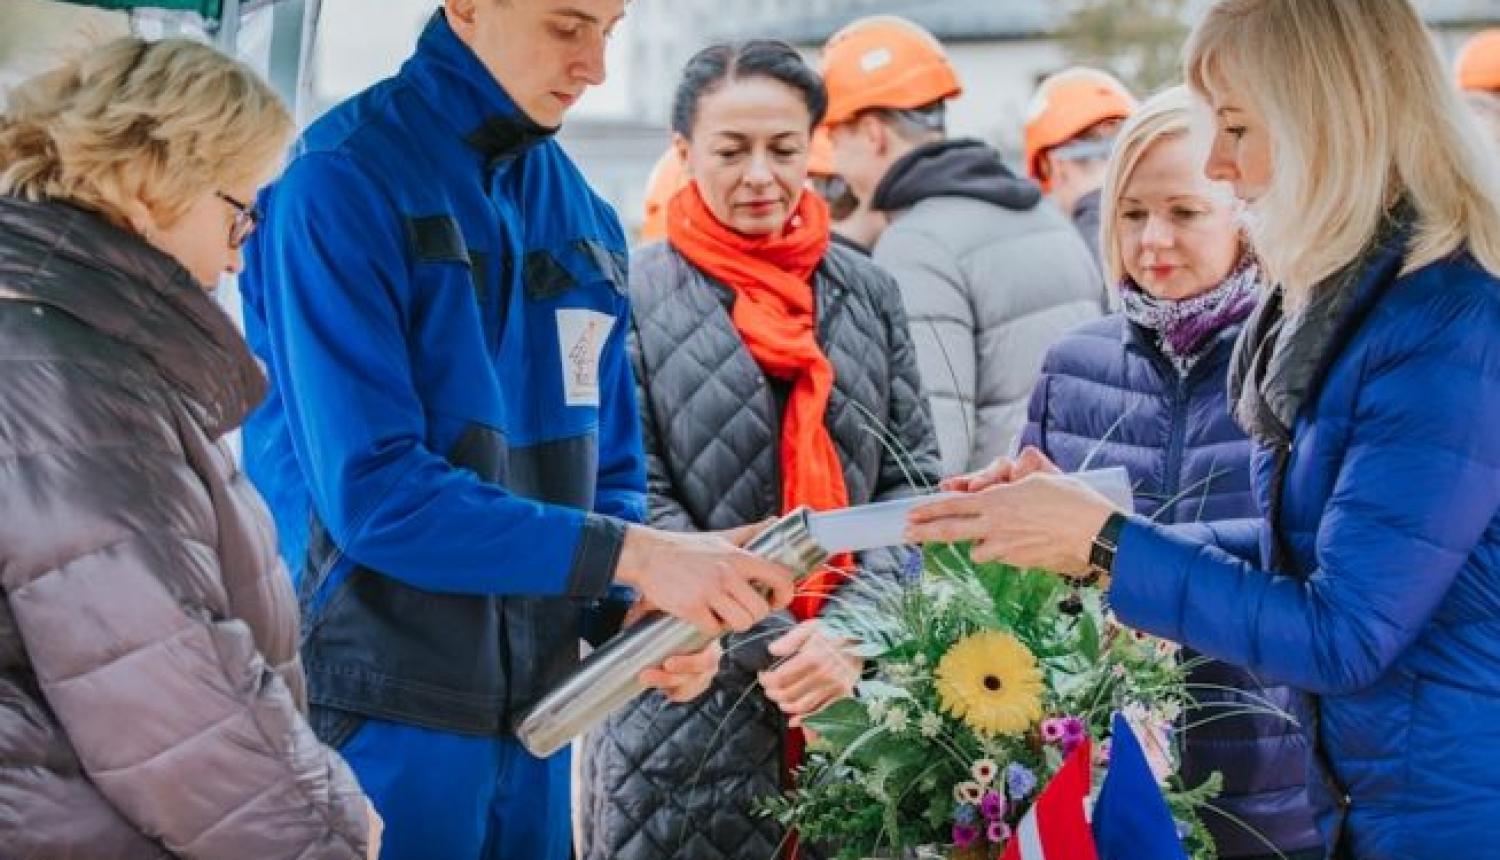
column 1101, row 557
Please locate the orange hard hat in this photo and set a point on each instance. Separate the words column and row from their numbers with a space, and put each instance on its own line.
column 667, row 178
column 884, row 62
column 1479, row 62
column 820, row 154
column 1068, row 104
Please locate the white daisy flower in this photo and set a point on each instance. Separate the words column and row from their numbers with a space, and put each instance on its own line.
column 896, row 720
column 984, row 771
column 968, row 792
column 930, row 725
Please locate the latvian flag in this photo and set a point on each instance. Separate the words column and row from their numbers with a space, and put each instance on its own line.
column 1056, row 827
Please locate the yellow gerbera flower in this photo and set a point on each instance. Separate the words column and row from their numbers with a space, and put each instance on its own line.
column 991, row 682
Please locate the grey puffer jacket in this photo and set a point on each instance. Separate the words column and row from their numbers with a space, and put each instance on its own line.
column 663, row 780
column 150, row 693
column 1087, row 215
column 991, row 279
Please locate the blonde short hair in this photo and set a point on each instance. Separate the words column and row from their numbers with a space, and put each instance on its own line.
column 161, row 122
column 1165, row 116
column 1361, row 114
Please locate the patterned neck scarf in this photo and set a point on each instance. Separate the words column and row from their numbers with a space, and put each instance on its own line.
column 1184, row 327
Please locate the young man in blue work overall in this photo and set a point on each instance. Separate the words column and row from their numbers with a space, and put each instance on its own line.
column 451, row 446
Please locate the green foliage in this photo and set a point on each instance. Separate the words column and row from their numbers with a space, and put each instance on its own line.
column 1186, row 804
column 1140, row 41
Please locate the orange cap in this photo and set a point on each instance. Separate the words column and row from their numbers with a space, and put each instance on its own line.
column 667, row 178
column 884, row 62
column 1479, row 62
column 820, row 154
column 1068, row 104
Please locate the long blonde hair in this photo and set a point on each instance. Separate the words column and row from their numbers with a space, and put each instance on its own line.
column 1168, row 115
column 1361, row 114
column 158, row 122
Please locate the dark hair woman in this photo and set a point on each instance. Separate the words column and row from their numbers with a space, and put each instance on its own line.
column 776, row 370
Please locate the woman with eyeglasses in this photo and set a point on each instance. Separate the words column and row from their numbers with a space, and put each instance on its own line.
column 151, row 699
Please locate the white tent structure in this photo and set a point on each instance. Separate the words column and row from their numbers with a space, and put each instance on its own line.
column 275, row 36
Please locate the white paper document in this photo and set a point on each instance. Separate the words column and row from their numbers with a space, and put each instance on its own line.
column 883, row 523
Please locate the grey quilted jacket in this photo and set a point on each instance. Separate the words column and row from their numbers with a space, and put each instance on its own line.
column 991, row 279
column 150, row 693
column 663, row 780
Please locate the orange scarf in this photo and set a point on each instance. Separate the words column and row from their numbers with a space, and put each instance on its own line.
column 771, row 277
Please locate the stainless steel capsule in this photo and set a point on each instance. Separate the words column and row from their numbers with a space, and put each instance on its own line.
column 609, row 677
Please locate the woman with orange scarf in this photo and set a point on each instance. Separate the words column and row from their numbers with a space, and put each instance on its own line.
column 775, row 370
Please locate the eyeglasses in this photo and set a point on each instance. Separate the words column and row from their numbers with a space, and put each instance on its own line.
column 245, row 219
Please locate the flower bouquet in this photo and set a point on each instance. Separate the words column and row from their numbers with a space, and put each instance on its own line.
column 987, row 678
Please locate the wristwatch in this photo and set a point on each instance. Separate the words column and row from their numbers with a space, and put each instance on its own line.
column 1102, row 552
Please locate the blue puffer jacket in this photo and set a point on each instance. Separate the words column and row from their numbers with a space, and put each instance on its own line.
column 451, row 446
column 1109, row 397
column 1391, row 513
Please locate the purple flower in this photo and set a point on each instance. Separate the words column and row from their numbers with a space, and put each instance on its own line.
column 965, row 813
column 1073, row 734
column 993, row 805
column 1020, row 781
column 911, row 566
column 999, row 832
column 1184, row 830
column 1052, row 730
column 964, row 835
column 1073, row 729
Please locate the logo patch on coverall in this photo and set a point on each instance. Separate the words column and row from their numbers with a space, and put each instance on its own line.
column 581, row 334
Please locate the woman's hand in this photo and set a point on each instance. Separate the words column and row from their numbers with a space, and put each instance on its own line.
column 1003, row 471
column 377, row 830
column 682, row 678
column 687, row 676
column 1042, row 520
column 817, row 672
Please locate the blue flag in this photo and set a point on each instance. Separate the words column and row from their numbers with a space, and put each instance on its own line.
column 1131, row 819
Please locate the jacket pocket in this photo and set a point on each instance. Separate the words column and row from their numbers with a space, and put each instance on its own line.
column 334, row 726
column 437, row 245
column 549, row 273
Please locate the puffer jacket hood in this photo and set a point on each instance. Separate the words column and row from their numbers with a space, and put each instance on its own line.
column 953, row 168
column 151, row 698
column 122, row 287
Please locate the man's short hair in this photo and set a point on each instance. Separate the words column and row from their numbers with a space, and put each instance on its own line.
column 918, row 124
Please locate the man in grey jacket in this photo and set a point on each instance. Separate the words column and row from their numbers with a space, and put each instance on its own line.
column 990, row 278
